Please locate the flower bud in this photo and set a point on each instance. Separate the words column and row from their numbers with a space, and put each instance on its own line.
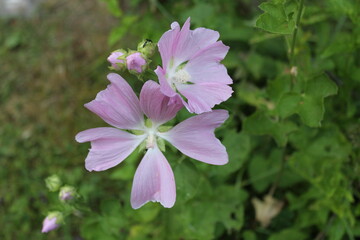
column 136, row 62
column 147, row 48
column 67, row 193
column 115, row 59
column 53, row 183
column 52, row 222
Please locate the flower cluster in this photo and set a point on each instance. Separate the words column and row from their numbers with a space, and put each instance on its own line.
column 67, row 197
column 135, row 61
column 191, row 75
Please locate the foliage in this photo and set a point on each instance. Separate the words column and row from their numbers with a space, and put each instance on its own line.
column 293, row 130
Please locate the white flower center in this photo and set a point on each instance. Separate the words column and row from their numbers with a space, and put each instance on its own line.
column 152, row 133
column 150, row 141
column 180, row 76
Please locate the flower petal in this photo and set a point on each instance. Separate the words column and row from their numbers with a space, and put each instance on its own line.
column 156, row 105
column 195, row 137
column 118, row 105
column 109, row 146
column 135, row 61
column 153, row 181
column 200, row 52
column 192, row 42
column 49, row 224
column 206, row 67
column 181, row 45
column 167, row 42
column 202, row 97
column 164, row 84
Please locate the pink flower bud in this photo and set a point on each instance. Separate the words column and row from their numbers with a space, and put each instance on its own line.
column 67, row 193
column 114, row 61
column 66, row 196
column 52, row 222
column 135, row 62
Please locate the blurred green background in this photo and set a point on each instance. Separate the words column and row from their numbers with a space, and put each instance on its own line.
column 293, row 132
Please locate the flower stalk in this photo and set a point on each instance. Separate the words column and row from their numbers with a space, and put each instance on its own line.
column 297, row 25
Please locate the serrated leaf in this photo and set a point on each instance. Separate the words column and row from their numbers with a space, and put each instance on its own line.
column 320, row 160
column 288, row 104
column 278, row 17
column 261, row 124
column 309, row 105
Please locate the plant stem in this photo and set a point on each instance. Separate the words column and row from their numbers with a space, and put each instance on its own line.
column 297, row 25
column 279, row 175
column 321, row 235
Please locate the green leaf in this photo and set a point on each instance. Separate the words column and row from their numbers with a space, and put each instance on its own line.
column 113, row 7
column 320, row 161
column 263, row 168
column 261, row 124
column 229, row 206
column 347, row 7
column 288, row 104
column 249, row 235
column 343, row 43
column 126, row 170
column 147, row 213
column 93, row 229
column 238, row 148
column 278, row 87
column 337, row 230
column 292, row 234
column 187, row 180
column 309, row 105
column 278, row 17
column 196, row 220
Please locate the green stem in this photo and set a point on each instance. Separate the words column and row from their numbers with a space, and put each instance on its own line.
column 322, row 234
column 279, row 175
column 297, row 25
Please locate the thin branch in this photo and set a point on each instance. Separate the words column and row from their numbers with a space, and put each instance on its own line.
column 279, row 175
column 297, row 25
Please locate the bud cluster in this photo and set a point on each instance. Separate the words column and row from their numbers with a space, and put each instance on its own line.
column 136, row 62
column 67, row 195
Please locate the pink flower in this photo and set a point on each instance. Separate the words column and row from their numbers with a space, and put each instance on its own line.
column 135, row 62
column 119, row 106
column 191, row 67
column 51, row 222
column 114, row 60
